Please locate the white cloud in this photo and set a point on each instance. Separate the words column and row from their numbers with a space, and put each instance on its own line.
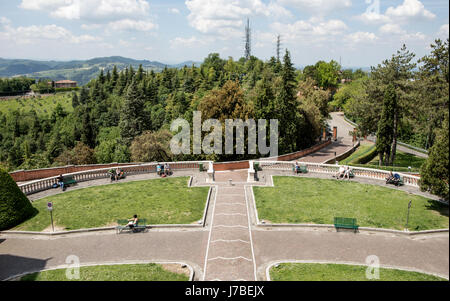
column 443, row 31
column 128, row 24
column 410, row 9
column 392, row 29
column 92, row 10
column 320, row 7
column 186, row 42
column 226, row 18
column 312, row 28
column 42, row 33
column 174, row 11
column 361, row 37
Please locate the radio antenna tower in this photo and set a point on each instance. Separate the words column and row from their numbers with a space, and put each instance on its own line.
column 278, row 47
column 248, row 41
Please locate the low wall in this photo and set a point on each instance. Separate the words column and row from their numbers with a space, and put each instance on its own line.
column 299, row 154
column 30, row 175
column 408, row 179
column 101, row 173
column 221, row 166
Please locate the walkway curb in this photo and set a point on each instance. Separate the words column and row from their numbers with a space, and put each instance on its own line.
column 191, row 270
column 347, row 263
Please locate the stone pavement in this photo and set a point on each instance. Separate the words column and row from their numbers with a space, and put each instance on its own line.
column 344, row 141
column 230, row 246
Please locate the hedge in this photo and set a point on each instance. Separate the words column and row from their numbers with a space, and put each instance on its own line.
column 14, row 205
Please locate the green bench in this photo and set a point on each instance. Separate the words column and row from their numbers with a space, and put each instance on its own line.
column 69, row 180
column 302, row 169
column 122, row 225
column 345, row 222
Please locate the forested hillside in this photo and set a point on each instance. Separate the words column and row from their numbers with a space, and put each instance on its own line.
column 125, row 116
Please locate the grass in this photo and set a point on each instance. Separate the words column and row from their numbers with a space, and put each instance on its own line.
column 160, row 201
column 122, row 272
column 341, row 272
column 318, row 201
column 363, row 149
column 402, row 160
column 43, row 106
column 401, row 163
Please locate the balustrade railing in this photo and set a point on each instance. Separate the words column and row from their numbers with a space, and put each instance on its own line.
column 89, row 175
column 332, row 169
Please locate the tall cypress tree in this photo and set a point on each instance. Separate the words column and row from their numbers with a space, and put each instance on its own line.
column 132, row 116
column 287, row 106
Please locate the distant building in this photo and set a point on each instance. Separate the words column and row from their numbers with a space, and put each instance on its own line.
column 64, row 84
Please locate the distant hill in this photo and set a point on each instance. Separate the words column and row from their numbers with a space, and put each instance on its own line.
column 81, row 71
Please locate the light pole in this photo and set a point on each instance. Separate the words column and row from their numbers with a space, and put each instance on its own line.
column 407, row 216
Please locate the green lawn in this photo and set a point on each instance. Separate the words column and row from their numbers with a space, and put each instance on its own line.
column 403, row 160
column 363, row 149
column 123, row 272
column 43, row 106
column 401, row 163
column 341, row 272
column 318, row 201
column 160, row 201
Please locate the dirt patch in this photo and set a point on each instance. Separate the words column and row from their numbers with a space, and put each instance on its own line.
column 57, row 228
column 176, row 268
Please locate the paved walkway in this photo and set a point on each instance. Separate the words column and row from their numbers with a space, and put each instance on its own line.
column 229, row 247
column 344, row 141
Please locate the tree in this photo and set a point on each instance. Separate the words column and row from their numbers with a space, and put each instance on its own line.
column 287, row 105
column 132, row 117
column 14, row 205
column 434, row 173
column 151, row 146
column 385, row 133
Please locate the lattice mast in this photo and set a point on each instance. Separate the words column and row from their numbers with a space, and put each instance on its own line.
column 278, row 47
column 248, row 41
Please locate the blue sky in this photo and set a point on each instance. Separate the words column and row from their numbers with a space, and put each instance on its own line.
column 359, row 32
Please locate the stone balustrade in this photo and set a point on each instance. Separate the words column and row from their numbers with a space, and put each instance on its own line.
column 377, row 174
column 89, row 175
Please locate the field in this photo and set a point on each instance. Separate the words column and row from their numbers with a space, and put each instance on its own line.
column 318, row 201
column 122, row 272
column 43, row 105
column 160, row 201
column 341, row 272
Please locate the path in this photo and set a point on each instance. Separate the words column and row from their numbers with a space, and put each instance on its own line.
column 344, row 141
column 230, row 246
column 229, row 254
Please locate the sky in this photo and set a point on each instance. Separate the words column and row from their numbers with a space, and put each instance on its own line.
column 354, row 32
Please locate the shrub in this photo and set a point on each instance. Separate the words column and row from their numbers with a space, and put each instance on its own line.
column 14, row 205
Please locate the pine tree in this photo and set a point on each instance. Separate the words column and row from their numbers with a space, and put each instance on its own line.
column 132, row 117
column 385, row 133
column 434, row 173
column 287, row 106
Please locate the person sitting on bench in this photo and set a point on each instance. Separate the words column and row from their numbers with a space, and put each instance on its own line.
column 158, row 169
column 133, row 222
column 61, row 182
column 347, row 172
column 167, row 169
column 340, row 172
column 390, row 177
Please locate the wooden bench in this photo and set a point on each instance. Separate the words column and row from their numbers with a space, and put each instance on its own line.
column 122, row 225
column 69, row 180
column 345, row 222
column 301, row 169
